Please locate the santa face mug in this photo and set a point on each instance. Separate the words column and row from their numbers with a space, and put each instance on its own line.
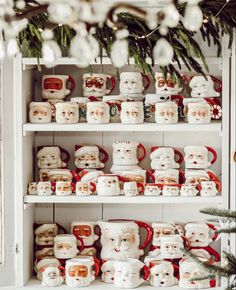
column 32, row 188
column 120, row 239
column 95, row 85
column 109, row 185
column 188, row 270
column 132, row 113
column 203, row 87
column 210, row 188
column 166, row 113
column 196, row 157
column 162, row 229
column 152, row 189
column 167, row 86
column 200, row 234
column 40, row 113
column 64, row 188
column 172, row 247
column 127, row 152
column 53, row 276
column 197, row 176
column 199, row 113
column 67, row 113
column 84, row 230
column 45, row 234
column 81, row 272
column 132, row 188
column 51, row 157
column 168, row 176
column 85, row 188
column 108, row 271
column 55, row 86
column 56, row 175
column 44, row 188
column 171, row 190
column 164, row 158
column 65, row 246
column 42, row 264
column 98, row 113
column 130, row 273
column 90, row 157
column 162, row 274
column 189, row 189
column 131, row 83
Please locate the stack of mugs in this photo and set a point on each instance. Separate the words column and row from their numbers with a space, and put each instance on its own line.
column 73, row 258
column 131, row 106
column 126, row 177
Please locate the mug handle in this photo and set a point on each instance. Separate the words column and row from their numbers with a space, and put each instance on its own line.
column 61, row 229
column 181, row 177
column 113, row 84
column 212, row 176
column 213, row 228
column 218, row 82
column 213, row 152
column 72, row 85
column 149, row 234
column 96, row 267
column 75, row 175
column 93, row 186
column 104, row 153
column 176, row 270
column 151, row 176
column 147, row 79
column 187, row 242
column 93, row 99
column 218, row 185
column 73, row 187
column 140, row 158
column 181, row 157
column 178, row 99
column 53, row 186
column 62, row 270
column 141, row 186
column 81, row 246
column 145, row 272
column 66, row 153
column 212, row 252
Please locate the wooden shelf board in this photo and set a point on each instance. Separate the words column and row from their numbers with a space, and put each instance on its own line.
column 97, row 285
column 215, row 126
column 121, row 199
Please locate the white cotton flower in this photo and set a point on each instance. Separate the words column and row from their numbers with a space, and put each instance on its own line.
column 163, row 52
column 12, row 47
column 172, row 16
column 120, row 52
column 193, row 17
column 50, row 51
column 47, row 34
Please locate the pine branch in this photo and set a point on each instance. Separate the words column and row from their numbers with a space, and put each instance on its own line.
column 219, row 212
column 227, row 231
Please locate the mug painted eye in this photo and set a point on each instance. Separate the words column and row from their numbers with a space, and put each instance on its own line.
column 112, row 240
column 124, row 240
column 157, row 274
column 201, row 234
column 128, row 151
column 108, row 271
column 167, row 274
column 199, row 155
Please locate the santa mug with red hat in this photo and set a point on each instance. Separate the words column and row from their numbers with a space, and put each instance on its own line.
column 210, row 188
column 55, row 175
column 109, row 185
column 172, row 246
column 84, row 230
column 65, row 246
column 85, row 188
column 163, row 273
column 165, row 157
column 189, row 189
column 168, row 176
column 51, row 157
column 152, row 189
column 90, row 157
column 45, row 188
column 196, row 157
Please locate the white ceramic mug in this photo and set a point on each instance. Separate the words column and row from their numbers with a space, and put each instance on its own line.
column 132, row 188
column 40, row 113
column 45, row 234
column 162, row 274
column 132, row 113
column 55, row 175
column 44, row 188
column 196, row 157
column 164, row 158
column 65, row 246
column 203, row 87
column 152, row 189
column 32, row 188
column 67, row 113
column 210, row 188
column 43, row 264
column 172, row 247
column 51, row 157
column 98, row 113
column 166, row 113
column 188, row 270
column 52, row 276
column 171, row 190
column 200, row 234
column 130, row 273
column 85, row 188
column 84, row 230
column 199, row 113
column 168, row 176
column 131, row 83
column 108, row 185
column 95, row 84
column 81, row 272
column 55, row 86
column 196, row 176
column 189, row 189
column 64, row 188
column 108, row 271
column 166, row 86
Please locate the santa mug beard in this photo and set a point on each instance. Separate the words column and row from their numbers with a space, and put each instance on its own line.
column 198, row 234
column 44, row 188
column 98, row 113
column 52, row 277
column 108, row 186
column 189, row 190
column 209, row 188
column 163, row 158
column 50, row 157
column 45, row 234
column 162, row 275
column 161, row 230
column 171, row 247
column 196, row 157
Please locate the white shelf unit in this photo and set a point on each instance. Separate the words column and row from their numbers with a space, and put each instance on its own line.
column 64, row 210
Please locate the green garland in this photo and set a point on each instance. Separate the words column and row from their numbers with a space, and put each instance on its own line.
column 186, row 48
